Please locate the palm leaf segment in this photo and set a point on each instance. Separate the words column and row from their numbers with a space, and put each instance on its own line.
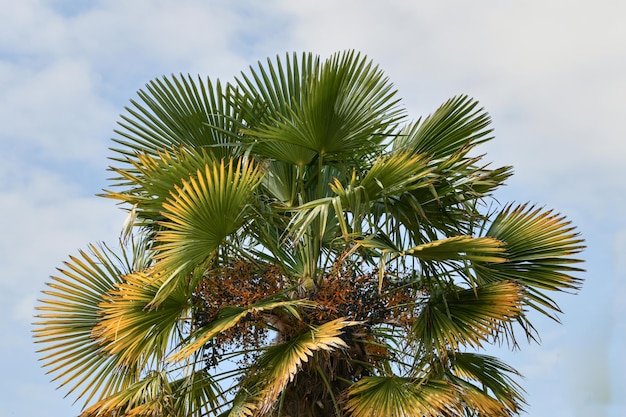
column 297, row 251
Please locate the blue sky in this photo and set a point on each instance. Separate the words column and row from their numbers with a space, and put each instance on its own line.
column 551, row 74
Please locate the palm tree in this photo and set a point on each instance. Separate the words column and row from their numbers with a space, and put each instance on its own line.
column 296, row 247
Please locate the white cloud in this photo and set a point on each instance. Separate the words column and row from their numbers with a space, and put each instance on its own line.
column 54, row 113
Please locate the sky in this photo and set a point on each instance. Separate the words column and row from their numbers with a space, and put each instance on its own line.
column 552, row 75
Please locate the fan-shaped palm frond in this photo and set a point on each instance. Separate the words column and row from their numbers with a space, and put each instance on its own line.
column 201, row 214
column 457, row 124
column 134, row 331
column 179, row 112
column 277, row 366
column 487, row 383
column 454, row 318
column 342, row 106
column 67, row 319
column 150, row 184
column 395, row 396
column 540, row 249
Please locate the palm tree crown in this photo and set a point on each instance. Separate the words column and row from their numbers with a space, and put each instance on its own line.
column 296, row 247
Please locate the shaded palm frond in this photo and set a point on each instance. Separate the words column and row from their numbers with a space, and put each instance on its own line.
column 278, row 365
column 155, row 395
column 229, row 317
column 487, row 384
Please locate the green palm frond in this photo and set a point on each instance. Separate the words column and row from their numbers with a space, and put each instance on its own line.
column 308, row 214
column 389, row 177
column 456, row 124
column 459, row 318
column 67, row 319
column 474, row 249
column 151, row 181
column 270, row 93
column 459, row 181
column 487, row 383
column 449, row 249
column 179, row 111
column 541, row 249
column 394, row 396
column 344, row 106
column 275, row 87
column 395, row 174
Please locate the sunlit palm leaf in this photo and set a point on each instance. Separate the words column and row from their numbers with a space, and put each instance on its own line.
column 67, row 319
column 448, row 249
column 487, row 384
column 460, row 248
column 134, row 331
column 150, row 184
column 201, row 213
column 453, row 319
column 155, row 395
column 279, row 363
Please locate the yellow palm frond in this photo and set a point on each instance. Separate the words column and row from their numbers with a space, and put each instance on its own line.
column 65, row 323
column 155, row 395
column 131, row 328
column 541, row 249
column 486, row 384
column 279, row 363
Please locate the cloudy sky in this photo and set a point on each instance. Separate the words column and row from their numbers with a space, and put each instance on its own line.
column 551, row 73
